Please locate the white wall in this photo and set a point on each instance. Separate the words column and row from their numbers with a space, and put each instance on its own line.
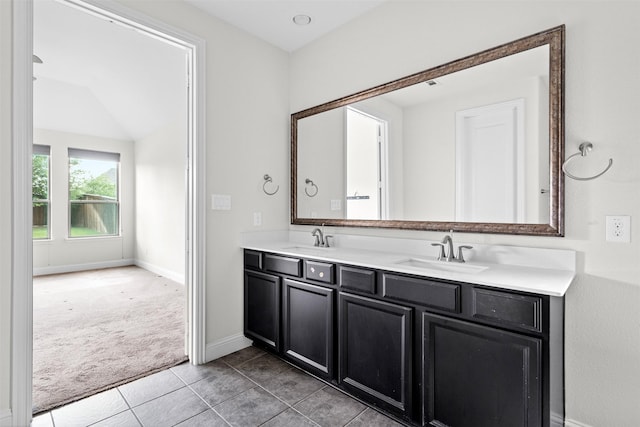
column 322, row 160
column 160, row 162
column 602, row 338
column 61, row 253
column 5, row 208
column 247, row 137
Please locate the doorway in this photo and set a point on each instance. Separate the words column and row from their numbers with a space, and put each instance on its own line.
column 490, row 157
column 22, row 117
column 366, row 166
column 110, row 106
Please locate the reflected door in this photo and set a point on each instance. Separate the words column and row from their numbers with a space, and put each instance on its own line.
column 490, row 163
column 365, row 166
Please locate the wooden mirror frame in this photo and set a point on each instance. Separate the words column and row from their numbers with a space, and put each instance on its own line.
column 555, row 38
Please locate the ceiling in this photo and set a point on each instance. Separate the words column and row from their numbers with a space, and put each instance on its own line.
column 272, row 20
column 104, row 79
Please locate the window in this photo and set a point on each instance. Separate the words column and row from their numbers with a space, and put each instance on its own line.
column 40, row 191
column 94, row 206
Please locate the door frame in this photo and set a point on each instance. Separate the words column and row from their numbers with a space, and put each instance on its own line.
column 22, row 138
column 383, row 160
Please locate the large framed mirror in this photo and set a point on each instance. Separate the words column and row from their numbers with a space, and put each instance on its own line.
column 474, row 145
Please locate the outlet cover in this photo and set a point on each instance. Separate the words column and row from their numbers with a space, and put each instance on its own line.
column 618, row 228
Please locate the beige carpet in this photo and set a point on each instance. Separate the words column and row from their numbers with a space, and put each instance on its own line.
column 98, row 329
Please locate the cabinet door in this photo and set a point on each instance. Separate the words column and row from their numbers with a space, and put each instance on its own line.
column 479, row 376
column 307, row 323
column 262, row 308
column 375, row 352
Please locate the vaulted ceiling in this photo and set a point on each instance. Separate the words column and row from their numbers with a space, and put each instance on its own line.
column 104, row 79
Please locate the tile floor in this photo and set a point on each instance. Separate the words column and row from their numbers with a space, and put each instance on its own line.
column 246, row 388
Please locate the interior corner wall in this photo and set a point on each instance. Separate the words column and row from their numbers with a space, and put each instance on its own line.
column 60, row 253
column 602, row 343
column 160, row 201
column 247, row 136
column 5, row 209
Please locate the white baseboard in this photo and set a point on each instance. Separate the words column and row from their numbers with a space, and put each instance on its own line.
column 82, row 267
column 226, row 346
column 5, row 417
column 176, row 277
column 574, row 423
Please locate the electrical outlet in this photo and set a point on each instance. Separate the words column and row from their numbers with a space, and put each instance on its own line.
column 618, row 228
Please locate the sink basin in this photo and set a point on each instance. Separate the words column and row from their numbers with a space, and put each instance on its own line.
column 453, row 267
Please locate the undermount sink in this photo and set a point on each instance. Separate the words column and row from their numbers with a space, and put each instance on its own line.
column 441, row 266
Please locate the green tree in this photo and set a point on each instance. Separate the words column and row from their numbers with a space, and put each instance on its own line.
column 81, row 182
column 101, row 185
column 40, row 177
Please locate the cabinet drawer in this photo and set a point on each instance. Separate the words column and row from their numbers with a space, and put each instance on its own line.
column 283, row 264
column 253, row 259
column 319, row 271
column 428, row 293
column 357, row 279
column 508, row 309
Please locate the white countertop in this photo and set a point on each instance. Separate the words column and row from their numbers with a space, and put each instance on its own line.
column 526, row 270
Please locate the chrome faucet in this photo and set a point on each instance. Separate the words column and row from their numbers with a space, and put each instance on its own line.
column 317, row 233
column 321, row 240
column 448, row 255
column 447, row 240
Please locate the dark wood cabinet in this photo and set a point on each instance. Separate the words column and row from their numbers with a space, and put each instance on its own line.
column 375, row 351
column 262, row 308
column 479, row 376
column 307, row 323
column 428, row 351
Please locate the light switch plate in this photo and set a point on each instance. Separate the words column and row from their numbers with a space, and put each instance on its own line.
column 257, row 219
column 336, row 205
column 221, row 202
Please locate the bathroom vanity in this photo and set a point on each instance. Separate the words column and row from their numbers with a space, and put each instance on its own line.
column 433, row 343
column 429, row 342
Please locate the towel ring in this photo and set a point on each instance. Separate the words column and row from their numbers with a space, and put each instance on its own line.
column 308, row 181
column 584, row 148
column 268, row 179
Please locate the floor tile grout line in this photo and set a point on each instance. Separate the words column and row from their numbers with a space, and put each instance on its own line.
column 188, row 385
column 354, row 418
column 257, row 385
column 129, row 405
column 208, row 404
column 157, row 397
column 289, row 406
column 191, row 417
column 304, row 398
column 101, row 419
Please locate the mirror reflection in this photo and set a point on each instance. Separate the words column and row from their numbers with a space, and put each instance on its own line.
column 475, row 145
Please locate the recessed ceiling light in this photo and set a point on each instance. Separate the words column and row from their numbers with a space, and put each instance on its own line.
column 302, row 19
